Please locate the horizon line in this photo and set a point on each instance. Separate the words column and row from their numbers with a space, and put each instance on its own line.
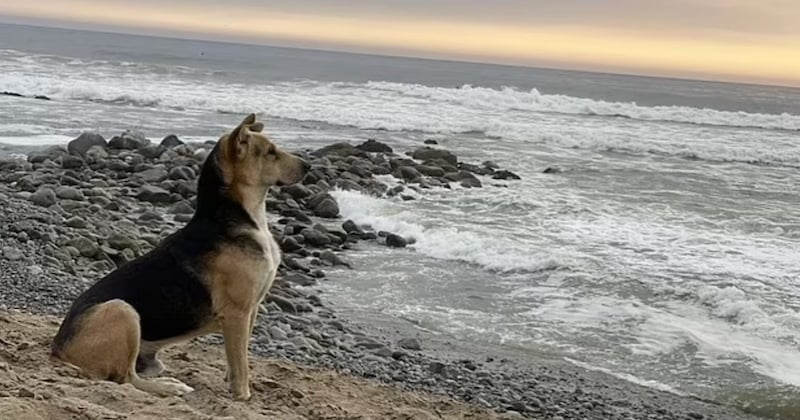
column 204, row 37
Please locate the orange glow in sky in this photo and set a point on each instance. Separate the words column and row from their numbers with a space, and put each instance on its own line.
column 758, row 55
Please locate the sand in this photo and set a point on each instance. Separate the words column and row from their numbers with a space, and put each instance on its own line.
column 33, row 387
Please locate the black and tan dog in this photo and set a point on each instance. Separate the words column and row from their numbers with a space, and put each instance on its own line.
column 210, row 276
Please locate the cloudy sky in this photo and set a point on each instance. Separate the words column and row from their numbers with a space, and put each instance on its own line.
column 748, row 40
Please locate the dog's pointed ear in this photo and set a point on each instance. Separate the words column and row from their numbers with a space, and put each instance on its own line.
column 239, row 140
column 256, row 127
column 248, row 120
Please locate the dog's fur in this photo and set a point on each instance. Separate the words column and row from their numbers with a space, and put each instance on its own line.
column 210, row 276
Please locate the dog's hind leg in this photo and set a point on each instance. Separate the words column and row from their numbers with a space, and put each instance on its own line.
column 106, row 345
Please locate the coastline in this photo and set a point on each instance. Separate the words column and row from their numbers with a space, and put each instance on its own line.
column 135, row 194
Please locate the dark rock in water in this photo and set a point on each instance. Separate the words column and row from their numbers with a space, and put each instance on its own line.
column 351, row 227
column 44, row 197
column 338, row 149
column 397, row 189
column 297, row 191
column 69, row 193
column 327, row 208
column 425, row 153
column 300, row 279
column 374, row 146
column 316, row 238
column 551, row 170
column 348, row 185
column 471, row 183
column 475, row 169
column 171, row 141
column 408, row 173
column 15, row 94
column 153, row 194
column 430, row 141
column 491, row 165
column 395, row 241
column 128, row 140
column 290, row 244
column 400, row 162
column 409, row 344
column 50, row 153
column 42, row 97
column 333, row 259
column 80, row 145
column 71, row 162
column 504, row 174
column 430, row 170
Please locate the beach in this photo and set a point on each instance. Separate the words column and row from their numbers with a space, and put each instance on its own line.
column 73, row 216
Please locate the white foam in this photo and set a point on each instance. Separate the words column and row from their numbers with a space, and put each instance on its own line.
column 35, row 140
column 649, row 383
column 450, row 243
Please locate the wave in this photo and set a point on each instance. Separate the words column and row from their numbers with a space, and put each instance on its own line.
column 500, row 254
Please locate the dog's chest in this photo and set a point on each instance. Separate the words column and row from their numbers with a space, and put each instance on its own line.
column 270, row 259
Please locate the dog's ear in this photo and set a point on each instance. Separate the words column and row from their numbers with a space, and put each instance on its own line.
column 256, row 127
column 248, row 120
column 239, row 139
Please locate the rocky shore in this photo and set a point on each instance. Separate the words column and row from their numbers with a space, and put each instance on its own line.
column 71, row 214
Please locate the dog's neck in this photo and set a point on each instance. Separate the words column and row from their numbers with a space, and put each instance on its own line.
column 253, row 201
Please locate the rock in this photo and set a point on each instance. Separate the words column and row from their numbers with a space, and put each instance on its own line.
column 427, row 153
column 333, row 259
column 12, row 254
column 491, row 165
column 277, row 333
column 25, row 393
column 76, row 222
column 695, row 416
column 181, row 207
column 408, row 173
column 551, row 170
column 96, row 154
column 374, row 146
column 409, row 344
column 119, row 241
column 153, row 194
column 71, row 162
column 430, row 170
column 430, row 141
column 44, row 197
column 50, row 153
column 128, row 140
column 85, row 246
column 150, row 215
column 171, row 140
column 153, row 175
column 327, row 208
column 316, row 238
column 504, row 174
column 351, row 227
column 395, row 241
column 152, row 151
column 436, row 368
column 80, row 145
column 70, row 193
column 296, row 191
column 182, row 172
column 289, row 244
column 338, row 149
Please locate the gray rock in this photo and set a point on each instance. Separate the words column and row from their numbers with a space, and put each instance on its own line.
column 85, row 246
column 316, row 238
column 96, row 154
column 80, row 145
column 181, row 207
column 395, row 241
column 430, row 170
column 504, row 174
column 12, row 254
column 327, row 208
column 182, row 172
column 338, row 149
column 76, row 222
column 44, row 197
column 153, row 175
column 408, row 173
column 50, row 153
column 430, row 141
column 152, row 151
column 150, row 215
column 409, row 344
column 153, row 194
column 426, row 153
column 128, row 140
column 171, row 141
column 333, row 259
column 119, row 241
column 277, row 334
column 296, row 191
column 374, row 146
column 70, row 193
column 71, row 162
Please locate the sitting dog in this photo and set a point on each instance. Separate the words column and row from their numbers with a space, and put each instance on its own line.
column 208, row 277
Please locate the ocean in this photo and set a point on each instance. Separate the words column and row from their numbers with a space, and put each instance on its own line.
column 665, row 252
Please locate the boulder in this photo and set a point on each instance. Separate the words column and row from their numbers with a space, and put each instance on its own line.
column 80, row 145
column 50, row 153
column 71, row 162
column 128, row 140
column 426, row 153
column 395, row 241
column 171, row 141
column 338, row 149
column 504, row 174
column 316, row 238
column 374, row 146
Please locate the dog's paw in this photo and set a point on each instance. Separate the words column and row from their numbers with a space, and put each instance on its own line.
column 172, row 387
column 240, row 393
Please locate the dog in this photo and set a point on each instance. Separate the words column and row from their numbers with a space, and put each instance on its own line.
column 208, row 277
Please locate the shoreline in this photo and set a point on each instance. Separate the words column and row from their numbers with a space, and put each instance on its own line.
column 124, row 198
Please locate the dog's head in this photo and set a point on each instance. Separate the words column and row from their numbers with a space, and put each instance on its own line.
column 248, row 158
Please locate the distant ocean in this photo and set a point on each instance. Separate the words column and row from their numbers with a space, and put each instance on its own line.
column 666, row 252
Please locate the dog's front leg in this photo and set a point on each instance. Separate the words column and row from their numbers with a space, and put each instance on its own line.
column 235, row 330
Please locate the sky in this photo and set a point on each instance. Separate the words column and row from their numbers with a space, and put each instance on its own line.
column 738, row 40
